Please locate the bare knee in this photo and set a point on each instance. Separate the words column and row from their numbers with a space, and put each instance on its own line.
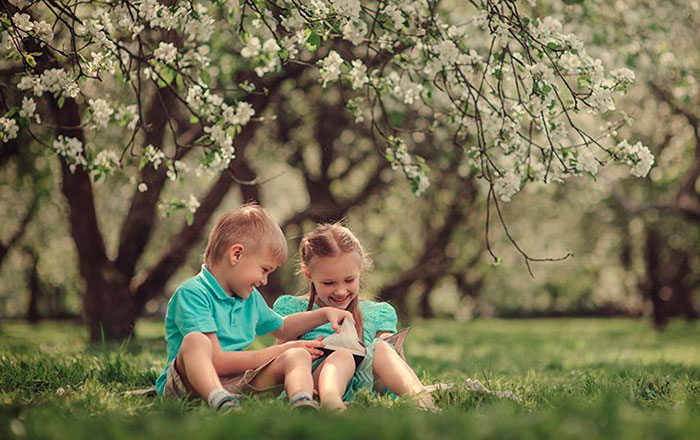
column 194, row 341
column 382, row 347
column 295, row 356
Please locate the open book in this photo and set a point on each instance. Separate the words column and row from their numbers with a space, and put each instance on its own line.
column 348, row 339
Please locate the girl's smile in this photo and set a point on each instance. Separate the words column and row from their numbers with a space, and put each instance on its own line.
column 336, row 279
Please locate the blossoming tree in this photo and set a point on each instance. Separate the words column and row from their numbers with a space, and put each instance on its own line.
column 172, row 90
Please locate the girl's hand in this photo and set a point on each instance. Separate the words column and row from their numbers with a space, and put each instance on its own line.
column 336, row 316
column 311, row 346
column 383, row 335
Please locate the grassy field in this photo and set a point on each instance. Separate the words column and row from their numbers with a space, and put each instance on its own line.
column 576, row 378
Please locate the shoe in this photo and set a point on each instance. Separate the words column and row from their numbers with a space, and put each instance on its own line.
column 303, row 402
column 229, row 403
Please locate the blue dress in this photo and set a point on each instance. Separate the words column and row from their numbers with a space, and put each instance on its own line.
column 376, row 317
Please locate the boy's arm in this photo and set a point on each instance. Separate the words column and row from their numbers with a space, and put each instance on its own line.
column 297, row 324
column 236, row 362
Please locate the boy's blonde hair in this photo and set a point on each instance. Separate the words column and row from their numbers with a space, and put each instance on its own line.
column 249, row 225
column 332, row 240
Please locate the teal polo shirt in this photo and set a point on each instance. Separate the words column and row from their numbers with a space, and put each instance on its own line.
column 201, row 305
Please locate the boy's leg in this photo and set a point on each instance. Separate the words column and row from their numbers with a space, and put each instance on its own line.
column 397, row 375
column 293, row 368
column 195, row 366
column 332, row 377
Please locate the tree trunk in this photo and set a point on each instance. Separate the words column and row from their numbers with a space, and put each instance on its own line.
column 654, row 283
column 426, row 311
column 34, row 285
column 108, row 306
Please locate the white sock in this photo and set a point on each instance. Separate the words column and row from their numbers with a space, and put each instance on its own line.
column 220, row 396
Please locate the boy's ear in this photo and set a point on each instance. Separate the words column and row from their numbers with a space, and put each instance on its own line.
column 234, row 253
column 306, row 272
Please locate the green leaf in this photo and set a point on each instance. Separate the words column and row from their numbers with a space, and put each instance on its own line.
column 61, row 101
column 12, row 111
column 204, row 76
column 189, row 218
column 193, row 119
column 313, row 42
column 168, row 75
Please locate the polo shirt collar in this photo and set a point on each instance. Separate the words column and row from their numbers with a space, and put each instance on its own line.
column 214, row 286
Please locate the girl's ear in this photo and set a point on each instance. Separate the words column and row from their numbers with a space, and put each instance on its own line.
column 306, row 272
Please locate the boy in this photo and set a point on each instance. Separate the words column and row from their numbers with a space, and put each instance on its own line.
column 213, row 316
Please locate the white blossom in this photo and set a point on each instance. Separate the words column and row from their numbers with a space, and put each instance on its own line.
column 395, row 15
column 28, row 107
column 58, row 82
column 330, row 67
column 271, row 47
column 43, row 31
column 8, row 129
column 23, row 21
column 358, row 74
column 586, row 161
column 219, row 136
column 155, row 157
column 623, row 77
column 166, row 52
column 106, row 161
column 638, row 156
column 31, row 82
column 192, row 204
column 244, row 111
column 252, row 48
column 175, row 169
column 355, row 31
column 102, row 112
column 142, row 187
column 71, row 149
column 347, row 8
column 507, row 185
column 128, row 114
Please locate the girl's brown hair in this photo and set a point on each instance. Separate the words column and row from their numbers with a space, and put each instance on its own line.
column 332, row 240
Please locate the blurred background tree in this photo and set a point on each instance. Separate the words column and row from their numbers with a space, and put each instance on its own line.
column 309, row 155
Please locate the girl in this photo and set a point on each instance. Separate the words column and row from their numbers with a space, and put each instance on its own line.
column 332, row 260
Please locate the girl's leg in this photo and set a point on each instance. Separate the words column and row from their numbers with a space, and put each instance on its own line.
column 194, row 364
column 293, row 367
column 397, row 375
column 332, row 378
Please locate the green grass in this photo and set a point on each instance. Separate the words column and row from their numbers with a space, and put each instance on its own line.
column 577, row 379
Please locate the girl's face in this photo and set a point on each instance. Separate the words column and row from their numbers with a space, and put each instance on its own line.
column 337, row 279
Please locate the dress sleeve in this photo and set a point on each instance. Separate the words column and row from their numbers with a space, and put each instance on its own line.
column 288, row 304
column 383, row 317
column 193, row 312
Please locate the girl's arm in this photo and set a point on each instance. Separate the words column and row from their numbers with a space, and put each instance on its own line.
column 297, row 324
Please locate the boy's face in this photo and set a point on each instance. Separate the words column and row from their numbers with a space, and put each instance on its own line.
column 337, row 279
column 248, row 270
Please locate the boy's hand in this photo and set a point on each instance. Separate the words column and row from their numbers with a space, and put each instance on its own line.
column 311, row 346
column 336, row 316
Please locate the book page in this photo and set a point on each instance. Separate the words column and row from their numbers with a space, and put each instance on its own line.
column 346, row 338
